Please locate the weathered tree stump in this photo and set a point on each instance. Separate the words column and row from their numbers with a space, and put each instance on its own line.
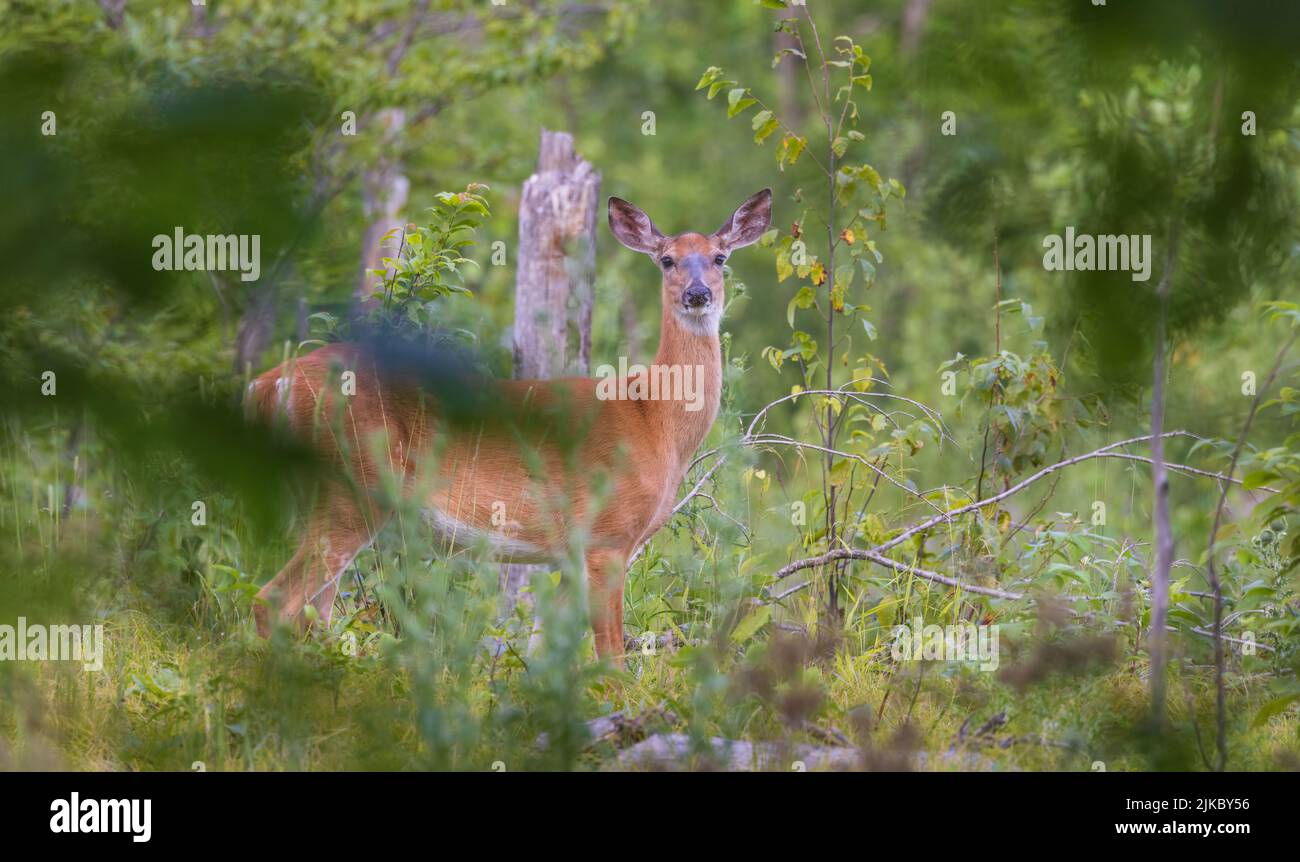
column 384, row 188
column 556, row 263
column 554, row 281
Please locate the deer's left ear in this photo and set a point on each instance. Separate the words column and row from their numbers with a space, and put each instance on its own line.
column 748, row 222
column 632, row 227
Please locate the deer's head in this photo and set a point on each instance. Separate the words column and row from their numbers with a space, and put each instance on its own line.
column 692, row 263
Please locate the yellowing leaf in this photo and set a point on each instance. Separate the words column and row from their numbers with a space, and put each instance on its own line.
column 784, row 269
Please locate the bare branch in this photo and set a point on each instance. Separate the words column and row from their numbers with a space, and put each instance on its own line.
column 404, row 44
column 1183, row 468
column 811, row 562
column 698, row 485
column 924, row 574
column 861, row 397
column 723, row 513
column 1210, row 634
column 694, row 492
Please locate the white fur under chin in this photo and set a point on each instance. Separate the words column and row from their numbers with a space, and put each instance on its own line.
column 704, row 322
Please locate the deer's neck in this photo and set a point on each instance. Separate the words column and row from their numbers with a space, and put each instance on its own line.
column 696, row 351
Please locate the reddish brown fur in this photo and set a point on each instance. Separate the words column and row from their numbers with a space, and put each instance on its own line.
column 642, row 447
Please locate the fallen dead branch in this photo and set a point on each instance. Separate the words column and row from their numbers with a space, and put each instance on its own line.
column 675, row 752
column 619, row 729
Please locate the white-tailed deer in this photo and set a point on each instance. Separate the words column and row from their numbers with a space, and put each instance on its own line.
column 521, row 486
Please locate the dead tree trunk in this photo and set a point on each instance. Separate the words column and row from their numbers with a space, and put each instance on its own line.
column 556, row 262
column 554, row 281
column 1158, row 638
column 256, row 326
column 914, row 15
column 383, row 194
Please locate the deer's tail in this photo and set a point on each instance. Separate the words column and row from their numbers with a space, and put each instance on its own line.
column 267, row 395
column 288, row 394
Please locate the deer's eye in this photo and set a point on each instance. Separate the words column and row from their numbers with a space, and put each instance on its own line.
column 667, row 262
column 720, row 259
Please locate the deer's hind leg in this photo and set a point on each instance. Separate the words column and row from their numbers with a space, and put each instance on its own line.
column 338, row 529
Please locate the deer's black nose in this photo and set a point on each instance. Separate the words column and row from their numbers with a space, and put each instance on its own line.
column 697, row 296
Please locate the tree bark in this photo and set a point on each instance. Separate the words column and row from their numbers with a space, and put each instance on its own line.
column 556, row 262
column 554, row 282
column 256, row 326
column 383, row 195
column 114, row 13
column 1158, row 636
column 914, row 15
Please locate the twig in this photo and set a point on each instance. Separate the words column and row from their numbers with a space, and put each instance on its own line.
column 698, row 485
column 924, row 574
column 784, row 593
column 781, row 439
column 723, row 513
column 1210, row 634
column 861, row 397
column 694, row 492
column 1183, row 468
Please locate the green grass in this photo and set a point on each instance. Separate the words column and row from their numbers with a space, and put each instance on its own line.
column 186, row 681
column 171, row 695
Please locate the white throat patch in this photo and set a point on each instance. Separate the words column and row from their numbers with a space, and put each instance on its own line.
column 701, row 324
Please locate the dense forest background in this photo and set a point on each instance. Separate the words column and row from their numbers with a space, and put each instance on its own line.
column 965, row 134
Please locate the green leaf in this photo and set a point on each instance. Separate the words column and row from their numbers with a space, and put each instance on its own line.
column 844, row 275
column 803, row 299
column 787, row 52
column 1274, row 707
column 792, row 146
column 710, row 75
column 737, row 101
column 749, row 626
column 868, row 270
column 764, row 124
column 1257, row 479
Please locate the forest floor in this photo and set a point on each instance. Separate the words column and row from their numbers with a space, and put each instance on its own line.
column 176, row 697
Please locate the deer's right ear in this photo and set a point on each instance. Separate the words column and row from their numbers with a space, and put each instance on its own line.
column 632, row 227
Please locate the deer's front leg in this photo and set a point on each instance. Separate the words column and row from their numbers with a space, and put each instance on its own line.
column 337, row 531
column 605, row 573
